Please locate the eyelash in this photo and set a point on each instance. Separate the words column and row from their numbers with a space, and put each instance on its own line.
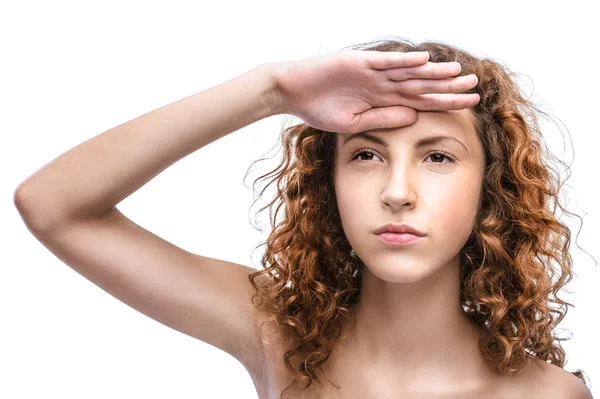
column 368, row 151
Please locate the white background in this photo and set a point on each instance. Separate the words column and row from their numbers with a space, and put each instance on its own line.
column 72, row 70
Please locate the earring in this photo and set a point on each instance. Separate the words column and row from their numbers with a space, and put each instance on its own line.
column 353, row 254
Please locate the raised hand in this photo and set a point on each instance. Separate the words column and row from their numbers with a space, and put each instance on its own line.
column 351, row 91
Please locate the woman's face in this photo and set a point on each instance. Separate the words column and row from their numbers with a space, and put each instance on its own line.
column 408, row 183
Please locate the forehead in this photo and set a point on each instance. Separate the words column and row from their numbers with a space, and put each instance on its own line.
column 457, row 123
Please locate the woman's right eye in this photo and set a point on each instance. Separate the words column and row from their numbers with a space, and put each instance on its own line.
column 359, row 153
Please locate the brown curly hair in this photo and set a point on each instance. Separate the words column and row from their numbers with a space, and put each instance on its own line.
column 507, row 280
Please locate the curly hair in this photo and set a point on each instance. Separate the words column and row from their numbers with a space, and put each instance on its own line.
column 507, row 281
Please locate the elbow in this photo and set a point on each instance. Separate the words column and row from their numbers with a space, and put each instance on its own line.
column 25, row 204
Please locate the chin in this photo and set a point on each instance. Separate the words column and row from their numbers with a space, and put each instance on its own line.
column 400, row 272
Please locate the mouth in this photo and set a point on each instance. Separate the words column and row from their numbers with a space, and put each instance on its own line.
column 403, row 228
column 399, row 238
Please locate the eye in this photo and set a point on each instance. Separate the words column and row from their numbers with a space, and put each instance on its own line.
column 441, row 154
column 361, row 152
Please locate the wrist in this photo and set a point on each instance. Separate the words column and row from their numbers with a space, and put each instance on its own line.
column 272, row 95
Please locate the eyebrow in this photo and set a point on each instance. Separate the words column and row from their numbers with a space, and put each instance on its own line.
column 420, row 143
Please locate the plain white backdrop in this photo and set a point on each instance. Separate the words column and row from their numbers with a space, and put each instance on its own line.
column 72, row 70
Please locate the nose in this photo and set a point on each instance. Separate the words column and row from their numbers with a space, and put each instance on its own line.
column 400, row 187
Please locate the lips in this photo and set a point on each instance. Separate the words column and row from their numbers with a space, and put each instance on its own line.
column 399, row 239
column 399, row 229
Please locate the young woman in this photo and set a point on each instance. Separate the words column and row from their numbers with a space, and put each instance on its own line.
column 406, row 264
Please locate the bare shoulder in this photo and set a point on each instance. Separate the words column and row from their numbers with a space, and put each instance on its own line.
column 552, row 382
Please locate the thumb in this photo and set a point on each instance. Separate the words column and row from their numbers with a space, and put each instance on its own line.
column 385, row 118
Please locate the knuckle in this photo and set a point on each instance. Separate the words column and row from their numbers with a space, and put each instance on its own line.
column 384, row 120
column 426, row 86
column 430, row 102
column 400, row 87
column 410, row 72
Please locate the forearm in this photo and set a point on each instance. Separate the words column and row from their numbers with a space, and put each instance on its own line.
column 93, row 177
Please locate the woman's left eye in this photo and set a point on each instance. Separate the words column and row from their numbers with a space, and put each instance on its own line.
column 439, row 153
column 443, row 154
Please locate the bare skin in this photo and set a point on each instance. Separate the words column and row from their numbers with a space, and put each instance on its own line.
column 347, row 92
column 412, row 339
column 355, row 91
column 357, row 379
column 410, row 325
column 408, row 290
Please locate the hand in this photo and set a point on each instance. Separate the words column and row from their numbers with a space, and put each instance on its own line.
column 351, row 91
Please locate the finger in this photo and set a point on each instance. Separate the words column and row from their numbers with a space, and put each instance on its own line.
column 431, row 70
column 384, row 118
column 450, row 85
column 440, row 102
column 395, row 59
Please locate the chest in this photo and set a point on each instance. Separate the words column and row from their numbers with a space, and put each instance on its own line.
column 360, row 388
column 355, row 381
column 353, row 389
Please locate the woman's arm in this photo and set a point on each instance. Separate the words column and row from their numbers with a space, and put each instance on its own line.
column 90, row 179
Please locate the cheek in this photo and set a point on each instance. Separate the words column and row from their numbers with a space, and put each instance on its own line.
column 352, row 203
column 347, row 201
column 454, row 214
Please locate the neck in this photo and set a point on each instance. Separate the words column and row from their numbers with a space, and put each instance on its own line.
column 417, row 326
